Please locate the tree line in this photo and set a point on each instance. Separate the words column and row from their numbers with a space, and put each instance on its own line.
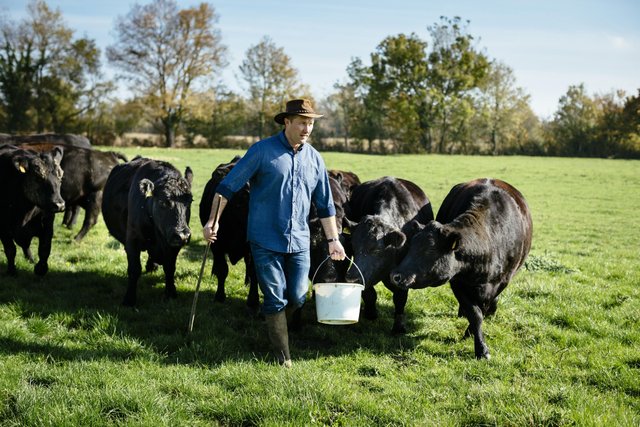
column 441, row 95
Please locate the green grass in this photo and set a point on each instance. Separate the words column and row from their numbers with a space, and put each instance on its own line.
column 565, row 340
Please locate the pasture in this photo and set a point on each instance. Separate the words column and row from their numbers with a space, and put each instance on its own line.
column 565, row 341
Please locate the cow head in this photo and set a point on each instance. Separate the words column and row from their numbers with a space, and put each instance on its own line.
column 376, row 245
column 169, row 204
column 42, row 177
column 432, row 257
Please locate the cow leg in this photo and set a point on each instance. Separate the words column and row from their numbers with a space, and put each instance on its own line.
column 25, row 243
column 150, row 265
column 44, row 245
column 10, row 252
column 70, row 216
column 134, row 270
column 399, row 301
column 26, row 250
column 92, row 210
column 369, row 297
column 467, row 332
column 492, row 307
column 253, row 299
column 169, row 278
column 220, row 269
column 473, row 313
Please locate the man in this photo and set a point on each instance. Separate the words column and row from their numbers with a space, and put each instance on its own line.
column 285, row 176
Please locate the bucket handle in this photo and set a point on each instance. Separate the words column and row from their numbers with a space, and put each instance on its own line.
column 313, row 279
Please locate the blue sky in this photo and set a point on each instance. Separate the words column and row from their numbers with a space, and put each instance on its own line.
column 550, row 44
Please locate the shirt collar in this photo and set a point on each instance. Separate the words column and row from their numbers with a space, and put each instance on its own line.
column 285, row 142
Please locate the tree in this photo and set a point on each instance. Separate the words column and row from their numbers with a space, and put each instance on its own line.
column 416, row 95
column 47, row 78
column 271, row 81
column 164, row 51
column 367, row 118
column 399, row 72
column 574, row 122
column 345, row 109
column 456, row 68
column 503, row 112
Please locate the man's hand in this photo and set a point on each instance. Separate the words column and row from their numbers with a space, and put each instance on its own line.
column 210, row 232
column 336, row 251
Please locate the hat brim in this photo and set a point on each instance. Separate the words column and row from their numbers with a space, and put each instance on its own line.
column 279, row 118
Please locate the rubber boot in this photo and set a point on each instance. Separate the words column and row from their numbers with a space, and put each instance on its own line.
column 279, row 337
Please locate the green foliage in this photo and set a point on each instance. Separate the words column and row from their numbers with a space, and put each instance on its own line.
column 164, row 51
column 564, row 339
column 47, row 78
column 416, row 95
column 271, row 81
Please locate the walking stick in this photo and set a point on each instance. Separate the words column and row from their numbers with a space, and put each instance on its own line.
column 204, row 260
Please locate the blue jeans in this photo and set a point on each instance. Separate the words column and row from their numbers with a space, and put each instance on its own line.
column 283, row 278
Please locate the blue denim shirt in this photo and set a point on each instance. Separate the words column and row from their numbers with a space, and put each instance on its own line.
column 283, row 184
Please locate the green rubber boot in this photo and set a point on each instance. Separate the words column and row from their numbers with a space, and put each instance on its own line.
column 279, row 337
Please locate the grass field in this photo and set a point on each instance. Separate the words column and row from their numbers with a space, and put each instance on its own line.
column 565, row 341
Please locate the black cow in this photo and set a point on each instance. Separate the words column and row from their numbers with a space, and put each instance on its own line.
column 347, row 179
column 146, row 206
column 232, row 235
column 30, row 194
column 85, row 174
column 479, row 240
column 379, row 214
column 65, row 139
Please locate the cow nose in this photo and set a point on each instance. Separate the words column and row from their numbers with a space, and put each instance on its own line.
column 185, row 236
column 59, row 206
column 181, row 238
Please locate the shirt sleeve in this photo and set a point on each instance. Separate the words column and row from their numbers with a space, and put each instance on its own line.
column 322, row 197
column 241, row 172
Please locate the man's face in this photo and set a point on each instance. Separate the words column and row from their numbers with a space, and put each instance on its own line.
column 297, row 129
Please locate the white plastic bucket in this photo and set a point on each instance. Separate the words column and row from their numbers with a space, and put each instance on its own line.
column 338, row 303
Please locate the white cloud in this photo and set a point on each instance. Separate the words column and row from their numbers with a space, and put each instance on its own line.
column 619, row 43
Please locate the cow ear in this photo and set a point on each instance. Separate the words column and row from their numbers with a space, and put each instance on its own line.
column 395, row 239
column 21, row 164
column 57, row 153
column 188, row 175
column 146, row 187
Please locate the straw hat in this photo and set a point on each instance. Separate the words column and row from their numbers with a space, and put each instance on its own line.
column 297, row 107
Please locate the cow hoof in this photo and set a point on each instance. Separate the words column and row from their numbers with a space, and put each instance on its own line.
column 483, row 354
column 41, row 269
column 220, row 297
column 12, row 272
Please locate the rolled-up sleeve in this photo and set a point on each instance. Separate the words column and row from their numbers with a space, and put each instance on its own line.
column 322, row 197
column 241, row 173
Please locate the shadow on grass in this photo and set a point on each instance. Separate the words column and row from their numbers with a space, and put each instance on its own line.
column 79, row 302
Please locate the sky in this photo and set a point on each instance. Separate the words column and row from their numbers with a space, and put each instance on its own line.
column 549, row 44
